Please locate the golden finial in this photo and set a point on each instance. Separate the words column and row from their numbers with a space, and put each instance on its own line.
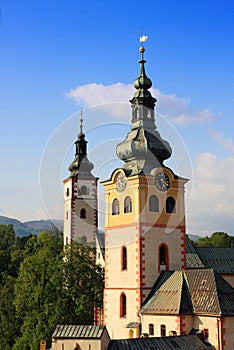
column 143, row 38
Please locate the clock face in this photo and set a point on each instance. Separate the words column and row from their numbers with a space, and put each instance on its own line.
column 121, row 183
column 162, row 181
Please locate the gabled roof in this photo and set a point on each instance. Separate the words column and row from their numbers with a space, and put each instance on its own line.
column 193, row 260
column 164, row 275
column 185, row 342
column 201, row 292
column 219, row 259
column 76, row 331
column 167, row 299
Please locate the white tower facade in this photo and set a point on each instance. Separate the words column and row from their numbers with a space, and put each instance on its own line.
column 80, row 197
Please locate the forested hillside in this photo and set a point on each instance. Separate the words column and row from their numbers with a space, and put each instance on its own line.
column 31, row 227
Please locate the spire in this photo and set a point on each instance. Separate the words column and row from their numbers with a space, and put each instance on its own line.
column 143, row 149
column 81, row 121
column 142, row 82
column 143, row 103
column 81, row 165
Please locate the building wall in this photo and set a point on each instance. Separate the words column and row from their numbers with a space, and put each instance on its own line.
column 75, row 227
column 219, row 330
column 153, row 238
column 116, row 325
column 226, row 326
column 142, row 233
column 170, row 321
column 85, row 344
column 67, row 211
column 211, row 324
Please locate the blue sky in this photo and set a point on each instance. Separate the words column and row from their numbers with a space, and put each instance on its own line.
column 57, row 56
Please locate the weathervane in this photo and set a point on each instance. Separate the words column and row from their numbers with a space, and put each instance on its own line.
column 143, row 38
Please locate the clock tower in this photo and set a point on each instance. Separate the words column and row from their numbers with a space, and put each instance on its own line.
column 145, row 216
column 80, row 197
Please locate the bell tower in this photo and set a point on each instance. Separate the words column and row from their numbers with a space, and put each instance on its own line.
column 80, row 196
column 145, row 216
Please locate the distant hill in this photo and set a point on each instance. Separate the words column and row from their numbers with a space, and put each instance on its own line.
column 194, row 237
column 31, row 227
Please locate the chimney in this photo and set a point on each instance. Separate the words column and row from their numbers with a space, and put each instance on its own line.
column 42, row 345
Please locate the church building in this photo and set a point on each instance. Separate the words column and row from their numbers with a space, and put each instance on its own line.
column 152, row 287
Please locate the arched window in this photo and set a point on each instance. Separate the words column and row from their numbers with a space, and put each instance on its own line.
column 128, row 205
column 153, row 203
column 124, row 258
column 163, row 330
column 206, row 333
column 130, row 333
column 162, row 255
column 84, row 190
column 83, row 213
column 83, row 240
column 123, row 305
column 170, row 205
column 115, row 207
column 76, row 346
column 151, row 329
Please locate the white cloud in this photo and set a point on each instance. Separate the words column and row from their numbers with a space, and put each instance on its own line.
column 176, row 109
column 220, row 138
column 98, row 94
column 211, row 207
column 112, row 98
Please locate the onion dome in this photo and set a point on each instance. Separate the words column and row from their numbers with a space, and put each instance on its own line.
column 81, row 165
column 143, row 149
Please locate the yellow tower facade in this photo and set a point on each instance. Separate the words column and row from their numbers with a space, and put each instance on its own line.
column 145, row 217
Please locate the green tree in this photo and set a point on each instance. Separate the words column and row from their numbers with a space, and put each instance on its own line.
column 11, row 248
column 7, row 240
column 9, row 324
column 38, row 290
column 83, row 284
column 51, row 286
column 217, row 239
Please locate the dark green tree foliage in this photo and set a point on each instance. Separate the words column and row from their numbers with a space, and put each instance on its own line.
column 9, row 324
column 7, row 240
column 9, row 267
column 41, row 285
column 217, row 239
column 83, row 284
column 38, row 290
